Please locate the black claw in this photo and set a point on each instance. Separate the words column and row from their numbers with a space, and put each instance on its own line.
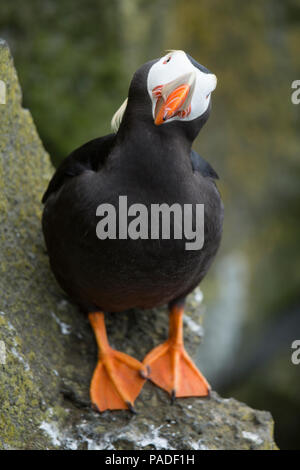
column 131, row 408
column 145, row 375
column 95, row 408
column 173, row 397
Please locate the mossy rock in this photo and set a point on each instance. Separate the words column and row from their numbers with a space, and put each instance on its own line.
column 50, row 350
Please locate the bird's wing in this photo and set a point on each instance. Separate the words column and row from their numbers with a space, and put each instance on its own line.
column 201, row 165
column 90, row 156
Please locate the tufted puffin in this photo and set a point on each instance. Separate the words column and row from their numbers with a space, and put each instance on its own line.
column 149, row 159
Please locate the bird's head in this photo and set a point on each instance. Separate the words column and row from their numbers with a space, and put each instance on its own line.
column 172, row 89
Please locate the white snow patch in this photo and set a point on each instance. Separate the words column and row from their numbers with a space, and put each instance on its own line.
column 251, row 436
column 151, row 438
column 52, row 431
column 198, row 446
column 64, row 327
column 70, row 444
column 2, row 352
column 57, row 438
column 91, row 445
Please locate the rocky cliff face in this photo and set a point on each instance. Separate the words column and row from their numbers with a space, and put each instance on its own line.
column 48, row 353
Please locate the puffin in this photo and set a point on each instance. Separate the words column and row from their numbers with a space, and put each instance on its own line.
column 148, row 158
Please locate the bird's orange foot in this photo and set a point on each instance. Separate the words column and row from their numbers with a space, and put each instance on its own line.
column 117, row 381
column 118, row 377
column 171, row 368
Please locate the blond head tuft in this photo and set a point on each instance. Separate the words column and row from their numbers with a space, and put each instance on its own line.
column 118, row 116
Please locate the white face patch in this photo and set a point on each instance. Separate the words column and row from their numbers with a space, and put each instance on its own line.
column 170, row 68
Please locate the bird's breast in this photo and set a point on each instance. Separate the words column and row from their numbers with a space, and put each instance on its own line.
column 121, row 245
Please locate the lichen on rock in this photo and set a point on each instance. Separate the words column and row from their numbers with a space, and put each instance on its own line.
column 50, row 349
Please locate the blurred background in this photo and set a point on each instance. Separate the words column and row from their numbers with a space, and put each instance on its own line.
column 75, row 61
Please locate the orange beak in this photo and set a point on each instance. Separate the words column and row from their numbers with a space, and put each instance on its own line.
column 172, row 105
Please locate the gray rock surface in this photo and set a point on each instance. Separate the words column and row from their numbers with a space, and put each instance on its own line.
column 50, row 349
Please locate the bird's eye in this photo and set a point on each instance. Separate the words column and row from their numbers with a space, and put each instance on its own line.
column 167, row 60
